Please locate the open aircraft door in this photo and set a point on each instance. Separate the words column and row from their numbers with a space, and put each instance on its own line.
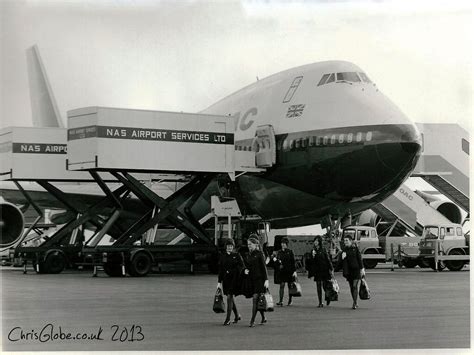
column 264, row 146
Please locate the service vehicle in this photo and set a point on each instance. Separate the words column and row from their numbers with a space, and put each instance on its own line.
column 444, row 246
column 375, row 248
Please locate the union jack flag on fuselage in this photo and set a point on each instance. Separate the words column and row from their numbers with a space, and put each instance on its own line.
column 295, row 111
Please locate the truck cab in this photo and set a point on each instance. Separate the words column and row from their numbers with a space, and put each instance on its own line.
column 367, row 240
column 447, row 239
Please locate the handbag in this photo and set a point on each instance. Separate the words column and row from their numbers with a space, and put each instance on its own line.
column 265, row 302
column 218, row 306
column 364, row 291
column 295, row 288
column 331, row 290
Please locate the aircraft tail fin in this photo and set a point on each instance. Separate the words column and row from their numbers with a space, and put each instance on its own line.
column 45, row 112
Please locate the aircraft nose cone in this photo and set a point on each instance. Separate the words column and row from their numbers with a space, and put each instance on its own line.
column 378, row 167
column 400, row 151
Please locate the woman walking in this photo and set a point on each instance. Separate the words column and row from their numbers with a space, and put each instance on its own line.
column 352, row 267
column 256, row 269
column 230, row 267
column 285, row 269
column 320, row 266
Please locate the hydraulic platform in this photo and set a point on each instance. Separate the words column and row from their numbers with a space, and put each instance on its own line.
column 124, row 141
column 39, row 155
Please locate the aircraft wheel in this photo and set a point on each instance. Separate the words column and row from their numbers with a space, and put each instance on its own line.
column 410, row 263
column 140, row 265
column 455, row 265
column 370, row 263
column 55, row 263
column 113, row 270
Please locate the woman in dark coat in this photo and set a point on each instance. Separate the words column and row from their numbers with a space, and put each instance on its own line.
column 285, row 269
column 255, row 267
column 352, row 267
column 320, row 266
column 230, row 267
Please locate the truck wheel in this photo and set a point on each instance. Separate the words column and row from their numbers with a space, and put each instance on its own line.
column 113, row 270
column 140, row 265
column 410, row 263
column 370, row 263
column 455, row 265
column 55, row 263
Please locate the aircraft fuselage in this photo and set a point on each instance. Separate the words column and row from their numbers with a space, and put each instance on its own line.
column 342, row 146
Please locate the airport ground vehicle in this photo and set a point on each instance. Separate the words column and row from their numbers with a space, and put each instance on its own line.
column 444, row 246
column 375, row 249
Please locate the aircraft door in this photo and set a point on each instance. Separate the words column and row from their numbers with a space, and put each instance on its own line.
column 264, row 146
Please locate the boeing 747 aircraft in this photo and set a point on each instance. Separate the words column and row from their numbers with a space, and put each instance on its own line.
column 336, row 146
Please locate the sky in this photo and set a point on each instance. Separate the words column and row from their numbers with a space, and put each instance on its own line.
column 186, row 55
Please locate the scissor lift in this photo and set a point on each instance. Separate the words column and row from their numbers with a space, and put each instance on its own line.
column 39, row 155
column 121, row 142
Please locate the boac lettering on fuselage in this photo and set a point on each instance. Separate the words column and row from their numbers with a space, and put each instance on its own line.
column 406, row 194
column 242, row 124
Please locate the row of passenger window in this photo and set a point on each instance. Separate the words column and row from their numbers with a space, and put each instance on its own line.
column 289, row 144
column 312, row 141
column 345, row 76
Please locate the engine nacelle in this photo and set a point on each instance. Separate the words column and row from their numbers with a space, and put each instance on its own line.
column 446, row 208
column 11, row 224
column 449, row 210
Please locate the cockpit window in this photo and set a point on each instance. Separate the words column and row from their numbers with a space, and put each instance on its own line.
column 365, row 77
column 344, row 76
column 348, row 76
column 323, row 79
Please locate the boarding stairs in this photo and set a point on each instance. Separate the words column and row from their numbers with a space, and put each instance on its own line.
column 444, row 162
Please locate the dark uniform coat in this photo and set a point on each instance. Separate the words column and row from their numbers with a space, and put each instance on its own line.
column 255, row 262
column 230, row 267
column 319, row 265
column 284, row 266
column 352, row 263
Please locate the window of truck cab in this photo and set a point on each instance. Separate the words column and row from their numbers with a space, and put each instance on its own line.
column 349, row 233
column 431, row 233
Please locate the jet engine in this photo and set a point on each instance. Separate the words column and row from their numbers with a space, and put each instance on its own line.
column 11, row 224
column 446, row 208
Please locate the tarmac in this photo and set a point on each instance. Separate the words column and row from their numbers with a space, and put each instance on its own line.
column 409, row 309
